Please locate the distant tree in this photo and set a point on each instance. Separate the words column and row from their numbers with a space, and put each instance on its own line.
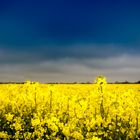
column 126, row 82
column 116, row 82
column 138, row 82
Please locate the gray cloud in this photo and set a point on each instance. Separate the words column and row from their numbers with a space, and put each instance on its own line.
column 69, row 64
column 69, row 70
column 41, row 53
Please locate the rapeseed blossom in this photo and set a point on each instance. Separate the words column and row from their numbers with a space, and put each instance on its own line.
column 66, row 111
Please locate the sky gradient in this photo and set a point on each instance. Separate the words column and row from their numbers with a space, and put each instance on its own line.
column 69, row 41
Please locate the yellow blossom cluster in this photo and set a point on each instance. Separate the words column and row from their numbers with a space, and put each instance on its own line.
column 70, row 111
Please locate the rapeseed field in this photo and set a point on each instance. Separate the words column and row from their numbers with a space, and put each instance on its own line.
column 100, row 111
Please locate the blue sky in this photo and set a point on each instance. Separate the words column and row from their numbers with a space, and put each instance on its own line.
column 67, row 41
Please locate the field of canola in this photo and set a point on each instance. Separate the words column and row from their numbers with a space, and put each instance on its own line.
column 69, row 111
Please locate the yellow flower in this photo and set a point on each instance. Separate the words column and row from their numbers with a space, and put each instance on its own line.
column 77, row 135
column 9, row 117
column 66, row 131
column 35, row 122
column 101, row 80
column 95, row 138
column 17, row 126
column 4, row 135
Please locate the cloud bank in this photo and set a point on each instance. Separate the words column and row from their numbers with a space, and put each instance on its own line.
column 77, row 63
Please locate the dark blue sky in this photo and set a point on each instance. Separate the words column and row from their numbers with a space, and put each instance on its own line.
column 34, row 32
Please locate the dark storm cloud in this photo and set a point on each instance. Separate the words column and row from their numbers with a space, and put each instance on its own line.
column 121, row 68
column 43, row 53
column 76, row 63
